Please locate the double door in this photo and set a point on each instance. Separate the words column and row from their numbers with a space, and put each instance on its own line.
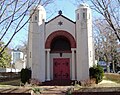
column 61, row 69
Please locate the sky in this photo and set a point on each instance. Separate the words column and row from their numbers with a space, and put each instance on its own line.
column 68, row 10
column 67, row 7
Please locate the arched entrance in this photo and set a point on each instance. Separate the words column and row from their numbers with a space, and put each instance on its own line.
column 60, row 43
column 60, row 33
column 61, row 66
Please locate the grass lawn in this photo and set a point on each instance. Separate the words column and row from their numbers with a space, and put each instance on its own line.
column 114, row 80
column 112, row 77
column 17, row 82
column 15, row 86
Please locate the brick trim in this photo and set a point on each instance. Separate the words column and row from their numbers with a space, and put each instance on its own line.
column 60, row 33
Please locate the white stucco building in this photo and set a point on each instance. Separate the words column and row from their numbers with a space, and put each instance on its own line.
column 18, row 60
column 60, row 49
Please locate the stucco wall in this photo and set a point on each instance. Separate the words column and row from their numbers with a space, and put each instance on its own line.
column 84, row 42
column 81, row 30
column 66, row 26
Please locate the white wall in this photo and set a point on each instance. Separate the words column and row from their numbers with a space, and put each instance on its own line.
column 82, row 32
column 84, row 42
column 53, row 26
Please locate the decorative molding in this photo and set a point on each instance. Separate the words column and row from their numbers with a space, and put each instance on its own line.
column 60, row 33
column 60, row 23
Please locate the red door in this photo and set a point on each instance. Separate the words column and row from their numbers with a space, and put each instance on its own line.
column 61, row 68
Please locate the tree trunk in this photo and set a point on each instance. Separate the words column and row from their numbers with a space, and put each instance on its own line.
column 113, row 66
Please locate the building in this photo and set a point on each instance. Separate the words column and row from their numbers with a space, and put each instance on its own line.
column 60, row 49
column 18, row 60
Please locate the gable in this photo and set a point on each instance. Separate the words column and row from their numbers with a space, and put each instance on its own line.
column 58, row 17
column 60, row 22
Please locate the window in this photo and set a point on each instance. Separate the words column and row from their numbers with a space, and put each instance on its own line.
column 77, row 16
column 83, row 15
column 35, row 17
column 16, row 56
column 60, row 44
column 30, row 54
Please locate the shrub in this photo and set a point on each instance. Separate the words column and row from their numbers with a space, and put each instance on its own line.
column 96, row 72
column 35, row 82
column 88, row 82
column 36, row 91
column 69, row 91
column 25, row 75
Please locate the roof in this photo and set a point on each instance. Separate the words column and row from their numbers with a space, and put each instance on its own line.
column 59, row 16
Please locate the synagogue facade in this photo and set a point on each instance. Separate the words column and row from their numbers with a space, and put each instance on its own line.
column 60, row 49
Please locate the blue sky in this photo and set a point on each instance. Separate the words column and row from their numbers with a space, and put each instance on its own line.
column 68, row 8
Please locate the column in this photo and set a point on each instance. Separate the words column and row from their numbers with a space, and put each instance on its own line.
column 73, row 64
column 48, row 64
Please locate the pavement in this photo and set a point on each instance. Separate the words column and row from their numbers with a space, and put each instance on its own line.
column 105, row 85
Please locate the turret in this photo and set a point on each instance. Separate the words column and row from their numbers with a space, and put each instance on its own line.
column 36, row 50
column 84, row 40
column 38, row 15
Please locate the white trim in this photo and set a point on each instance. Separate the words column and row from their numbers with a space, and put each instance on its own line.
column 73, row 63
column 48, row 64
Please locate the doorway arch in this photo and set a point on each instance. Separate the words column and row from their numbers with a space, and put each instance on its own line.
column 59, row 45
column 58, row 34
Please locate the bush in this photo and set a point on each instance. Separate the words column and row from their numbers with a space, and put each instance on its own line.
column 35, row 82
column 96, row 72
column 25, row 75
column 88, row 82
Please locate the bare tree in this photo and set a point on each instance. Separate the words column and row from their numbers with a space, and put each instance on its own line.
column 14, row 16
column 105, row 43
column 109, row 10
column 106, row 28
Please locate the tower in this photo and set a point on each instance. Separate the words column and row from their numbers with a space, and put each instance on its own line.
column 36, row 52
column 84, row 53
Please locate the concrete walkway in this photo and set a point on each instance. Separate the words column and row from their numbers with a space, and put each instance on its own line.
column 105, row 85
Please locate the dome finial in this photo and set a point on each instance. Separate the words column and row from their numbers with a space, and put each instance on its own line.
column 59, row 12
column 84, row 5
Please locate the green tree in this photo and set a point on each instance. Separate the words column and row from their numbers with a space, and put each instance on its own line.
column 5, row 57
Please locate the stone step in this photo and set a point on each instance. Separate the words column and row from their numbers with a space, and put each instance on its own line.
column 58, row 83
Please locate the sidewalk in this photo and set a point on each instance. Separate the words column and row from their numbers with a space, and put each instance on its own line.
column 103, row 86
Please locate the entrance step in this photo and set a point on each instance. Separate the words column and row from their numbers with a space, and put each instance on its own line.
column 52, row 93
column 55, row 90
column 58, row 83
